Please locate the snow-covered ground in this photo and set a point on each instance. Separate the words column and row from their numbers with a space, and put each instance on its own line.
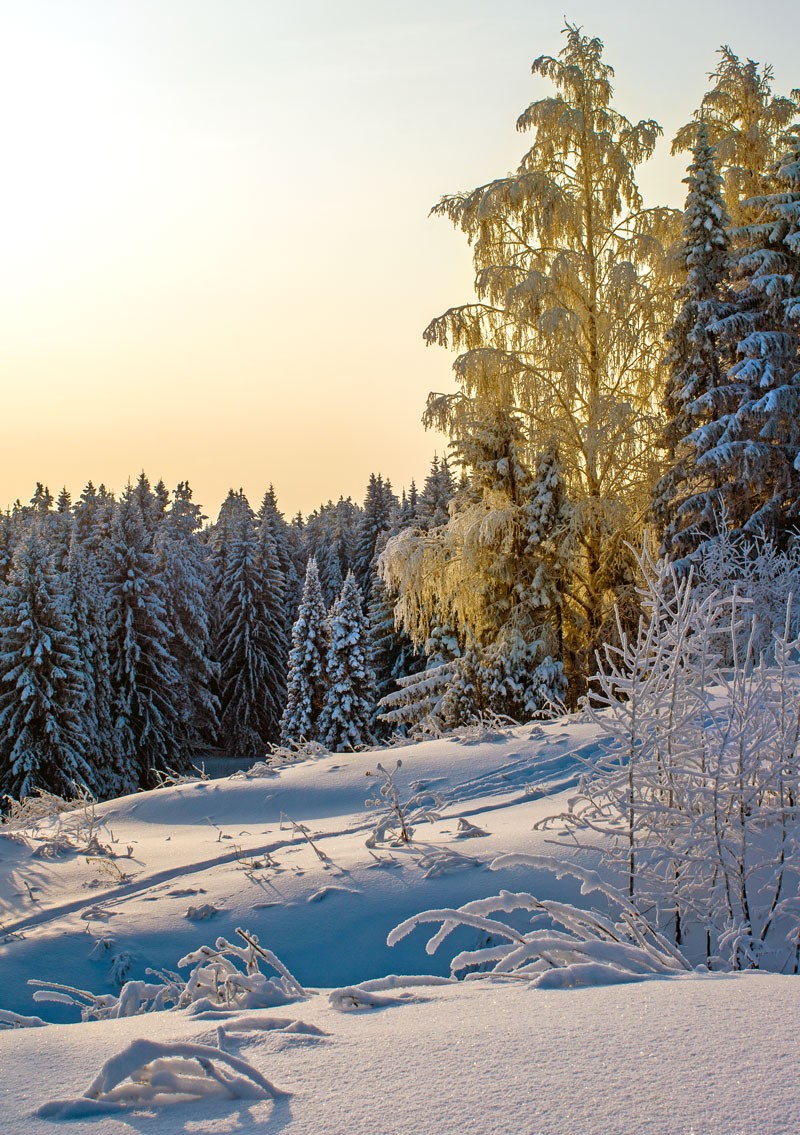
column 698, row 1054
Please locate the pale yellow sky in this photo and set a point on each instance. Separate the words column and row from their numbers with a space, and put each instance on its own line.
column 215, row 256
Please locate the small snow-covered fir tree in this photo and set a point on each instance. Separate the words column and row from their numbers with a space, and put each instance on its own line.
column 330, row 536
column 94, row 515
column 437, row 492
column 41, row 688
column 687, row 499
column 152, row 502
column 392, row 653
column 308, row 660
column 349, row 702
column 416, row 704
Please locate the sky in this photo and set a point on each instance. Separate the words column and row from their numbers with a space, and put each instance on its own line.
column 216, row 260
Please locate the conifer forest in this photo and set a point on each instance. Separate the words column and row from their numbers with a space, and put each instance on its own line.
column 626, row 391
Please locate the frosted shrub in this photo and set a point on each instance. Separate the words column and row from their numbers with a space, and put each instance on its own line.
column 396, row 818
column 696, row 796
column 699, row 784
column 565, row 946
column 223, row 977
column 757, row 571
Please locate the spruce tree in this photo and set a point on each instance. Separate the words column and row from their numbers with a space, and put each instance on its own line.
column 688, row 499
column 349, row 703
column 392, row 653
column 308, row 660
column 186, row 572
column 88, row 607
column 143, row 670
column 437, row 492
column 94, row 515
column 41, row 691
column 753, row 445
column 377, row 517
column 250, row 643
column 271, row 520
column 330, row 535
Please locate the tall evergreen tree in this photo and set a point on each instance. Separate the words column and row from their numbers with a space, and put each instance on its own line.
column 688, row 499
column 349, row 704
column 186, row 572
column 41, row 742
column 377, row 517
column 88, row 607
column 250, row 643
column 143, row 669
column 753, row 444
column 283, row 581
column 437, row 492
column 94, row 515
column 308, row 660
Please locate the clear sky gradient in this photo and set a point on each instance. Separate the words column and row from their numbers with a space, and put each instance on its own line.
column 215, row 257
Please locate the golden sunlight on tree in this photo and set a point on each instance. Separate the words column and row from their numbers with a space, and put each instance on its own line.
column 575, row 290
column 747, row 125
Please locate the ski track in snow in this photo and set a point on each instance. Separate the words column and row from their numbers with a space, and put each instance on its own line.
column 141, row 887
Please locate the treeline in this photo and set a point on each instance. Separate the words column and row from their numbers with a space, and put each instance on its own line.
column 133, row 637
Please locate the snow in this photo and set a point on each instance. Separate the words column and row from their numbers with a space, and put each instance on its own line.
column 370, row 1038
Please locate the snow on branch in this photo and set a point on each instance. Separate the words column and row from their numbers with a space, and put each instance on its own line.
column 567, row 946
column 223, row 976
column 153, row 1073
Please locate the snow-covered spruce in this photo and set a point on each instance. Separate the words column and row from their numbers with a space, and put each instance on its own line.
column 752, row 444
column 142, row 666
column 349, row 702
column 42, row 687
column 308, row 661
column 688, row 499
column 249, row 631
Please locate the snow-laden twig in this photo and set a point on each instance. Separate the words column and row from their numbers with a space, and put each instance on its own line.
column 223, row 976
column 587, row 945
column 154, row 1073
column 396, row 818
column 302, row 830
column 373, row 994
column 9, row 1020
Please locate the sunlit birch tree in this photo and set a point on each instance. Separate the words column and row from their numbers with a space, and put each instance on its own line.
column 747, row 126
column 574, row 294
